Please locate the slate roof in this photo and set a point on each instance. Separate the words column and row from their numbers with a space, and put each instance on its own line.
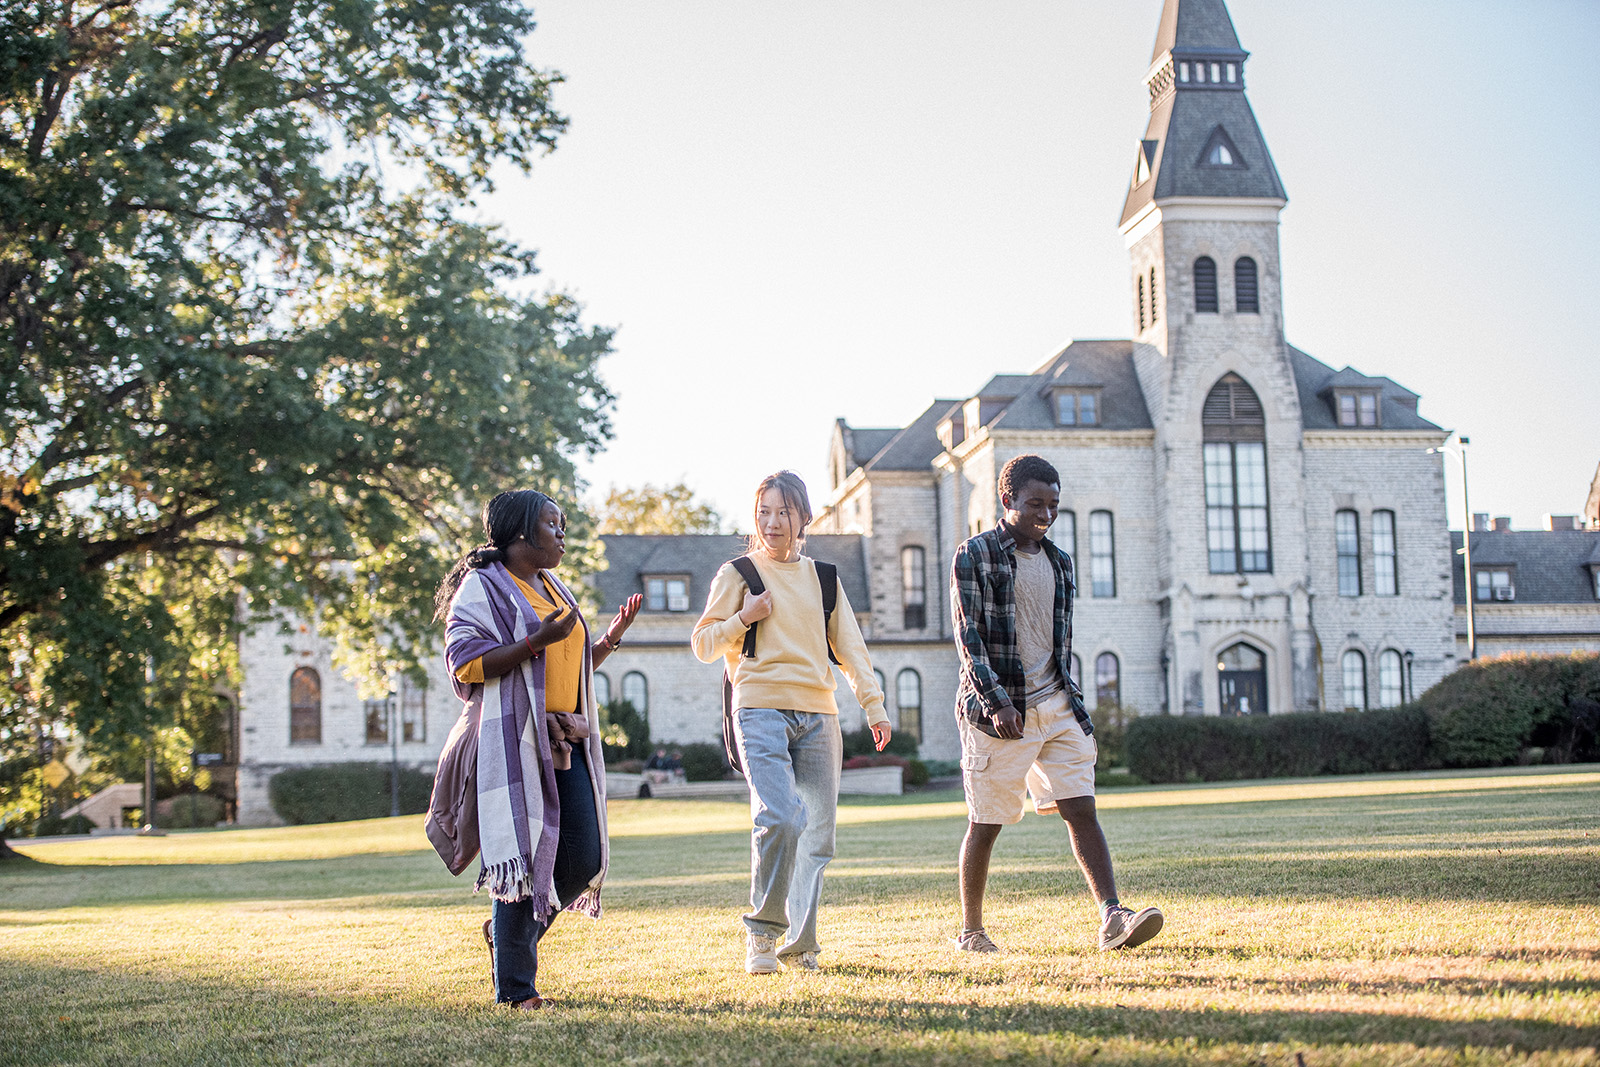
column 868, row 441
column 915, row 447
column 629, row 557
column 1181, row 124
column 1108, row 364
column 1195, row 25
column 1551, row 565
column 1396, row 404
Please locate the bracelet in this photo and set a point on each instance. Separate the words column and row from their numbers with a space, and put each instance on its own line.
column 527, row 639
column 612, row 643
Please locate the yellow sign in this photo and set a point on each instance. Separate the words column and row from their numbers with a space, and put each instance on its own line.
column 55, row 772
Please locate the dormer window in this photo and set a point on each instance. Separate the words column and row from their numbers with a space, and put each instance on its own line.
column 1220, row 151
column 1357, row 407
column 1219, row 156
column 1494, row 583
column 1078, row 407
column 666, row 593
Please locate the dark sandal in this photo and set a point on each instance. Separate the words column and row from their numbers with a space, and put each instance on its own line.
column 533, row 1004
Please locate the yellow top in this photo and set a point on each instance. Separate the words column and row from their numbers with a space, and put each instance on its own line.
column 563, row 662
column 790, row 669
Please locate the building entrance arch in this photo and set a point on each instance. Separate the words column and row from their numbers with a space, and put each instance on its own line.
column 1242, row 680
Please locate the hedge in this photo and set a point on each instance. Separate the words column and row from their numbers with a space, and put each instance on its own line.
column 1185, row 748
column 339, row 792
column 1491, row 710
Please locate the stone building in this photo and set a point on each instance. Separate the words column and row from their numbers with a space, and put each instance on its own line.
column 1255, row 532
column 1532, row 590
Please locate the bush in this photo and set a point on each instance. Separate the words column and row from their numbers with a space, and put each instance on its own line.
column 626, row 766
column 860, row 743
column 1171, row 748
column 704, row 762
column 189, row 811
column 56, row 826
column 1486, row 713
column 1111, row 732
column 916, row 774
column 339, row 792
column 942, row 768
column 624, row 733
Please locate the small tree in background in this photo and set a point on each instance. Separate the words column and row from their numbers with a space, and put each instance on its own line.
column 669, row 509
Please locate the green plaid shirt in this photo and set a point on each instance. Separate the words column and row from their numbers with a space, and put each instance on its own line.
column 983, row 579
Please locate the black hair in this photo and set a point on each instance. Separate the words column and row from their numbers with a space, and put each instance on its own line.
column 506, row 517
column 1024, row 469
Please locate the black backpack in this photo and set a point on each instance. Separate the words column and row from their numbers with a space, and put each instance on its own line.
column 828, row 579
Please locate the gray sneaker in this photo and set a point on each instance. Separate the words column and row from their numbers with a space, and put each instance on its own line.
column 804, row 961
column 761, row 954
column 1123, row 928
column 974, row 941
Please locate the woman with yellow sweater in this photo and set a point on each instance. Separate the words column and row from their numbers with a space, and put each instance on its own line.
column 785, row 721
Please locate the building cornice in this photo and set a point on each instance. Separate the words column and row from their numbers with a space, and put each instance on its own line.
column 1373, row 438
column 1076, row 438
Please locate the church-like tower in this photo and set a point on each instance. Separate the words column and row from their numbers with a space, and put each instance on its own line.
column 1201, row 225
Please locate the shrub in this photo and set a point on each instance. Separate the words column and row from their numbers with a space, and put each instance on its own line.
column 942, row 768
column 339, row 792
column 626, row 766
column 860, row 743
column 190, row 810
column 1170, row 748
column 56, row 826
column 916, row 774
column 1487, row 712
column 704, row 762
column 1110, row 733
column 624, row 733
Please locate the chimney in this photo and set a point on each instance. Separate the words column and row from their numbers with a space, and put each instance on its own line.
column 1502, row 524
column 1561, row 522
column 1480, row 522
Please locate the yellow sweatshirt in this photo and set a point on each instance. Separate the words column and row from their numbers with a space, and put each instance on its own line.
column 790, row 669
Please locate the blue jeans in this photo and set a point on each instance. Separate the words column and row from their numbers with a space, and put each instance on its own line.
column 516, row 930
column 792, row 761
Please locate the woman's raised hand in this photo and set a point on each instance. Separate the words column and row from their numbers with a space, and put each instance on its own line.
column 624, row 619
column 755, row 607
column 554, row 627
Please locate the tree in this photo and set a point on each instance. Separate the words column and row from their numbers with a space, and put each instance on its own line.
column 253, row 349
column 670, row 509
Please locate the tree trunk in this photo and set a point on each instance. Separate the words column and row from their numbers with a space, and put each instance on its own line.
column 6, row 851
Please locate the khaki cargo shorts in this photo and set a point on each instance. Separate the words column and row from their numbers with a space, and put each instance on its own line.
column 1052, row 760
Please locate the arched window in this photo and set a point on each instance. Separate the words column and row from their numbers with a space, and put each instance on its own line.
column 1066, row 533
column 1102, row 555
column 636, row 691
column 305, row 707
column 602, row 689
column 1391, row 679
column 1354, row 673
column 1385, row 579
column 908, row 697
column 1107, row 680
column 1205, row 284
column 1238, row 533
column 1141, row 301
column 1245, row 295
column 1154, row 317
column 913, row 587
column 1347, row 542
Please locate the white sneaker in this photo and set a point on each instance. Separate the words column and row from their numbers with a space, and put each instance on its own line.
column 1123, row 928
column 761, row 954
column 805, row 961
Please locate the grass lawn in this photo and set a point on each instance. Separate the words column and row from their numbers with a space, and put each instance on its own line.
column 1421, row 919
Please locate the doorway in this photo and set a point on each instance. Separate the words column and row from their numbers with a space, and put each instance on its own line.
column 1242, row 680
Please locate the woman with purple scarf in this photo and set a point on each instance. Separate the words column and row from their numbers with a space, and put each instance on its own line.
column 521, row 657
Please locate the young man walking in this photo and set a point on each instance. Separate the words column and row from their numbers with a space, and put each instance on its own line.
column 1021, row 716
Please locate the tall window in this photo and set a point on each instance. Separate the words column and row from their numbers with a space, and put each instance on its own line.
column 1066, row 533
column 908, row 695
column 1238, row 531
column 1153, row 315
column 913, row 587
column 1385, row 582
column 1347, row 540
column 413, row 711
column 636, row 691
column 1245, row 296
column 1205, row 284
column 1102, row 554
column 305, row 707
column 1107, row 680
column 1391, row 679
column 377, row 715
column 602, row 689
column 1354, row 671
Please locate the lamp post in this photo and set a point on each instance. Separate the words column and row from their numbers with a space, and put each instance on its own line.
column 1460, row 452
column 1410, row 683
column 394, row 755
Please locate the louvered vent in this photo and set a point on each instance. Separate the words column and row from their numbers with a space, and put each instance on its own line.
column 1141, row 303
column 1153, row 316
column 1244, row 285
column 1205, row 284
column 1233, row 412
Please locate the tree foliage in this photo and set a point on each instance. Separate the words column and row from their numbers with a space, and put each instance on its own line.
column 670, row 509
column 251, row 339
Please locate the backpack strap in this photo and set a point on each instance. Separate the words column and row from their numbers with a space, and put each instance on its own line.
column 828, row 578
column 752, row 578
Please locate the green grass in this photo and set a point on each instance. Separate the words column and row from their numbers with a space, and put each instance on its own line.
column 1422, row 919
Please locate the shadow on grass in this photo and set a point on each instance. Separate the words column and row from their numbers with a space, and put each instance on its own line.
column 79, row 1015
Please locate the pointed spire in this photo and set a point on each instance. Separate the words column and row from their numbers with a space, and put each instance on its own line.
column 1202, row 140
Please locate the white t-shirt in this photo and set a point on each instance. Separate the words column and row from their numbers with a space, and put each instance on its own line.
column 1036, row 625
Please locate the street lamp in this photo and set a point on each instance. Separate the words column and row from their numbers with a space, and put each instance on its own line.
column 1410, row 683
column 394, row 754
column 1460, row 452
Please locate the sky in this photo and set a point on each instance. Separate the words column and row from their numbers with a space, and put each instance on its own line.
column 797, row 212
